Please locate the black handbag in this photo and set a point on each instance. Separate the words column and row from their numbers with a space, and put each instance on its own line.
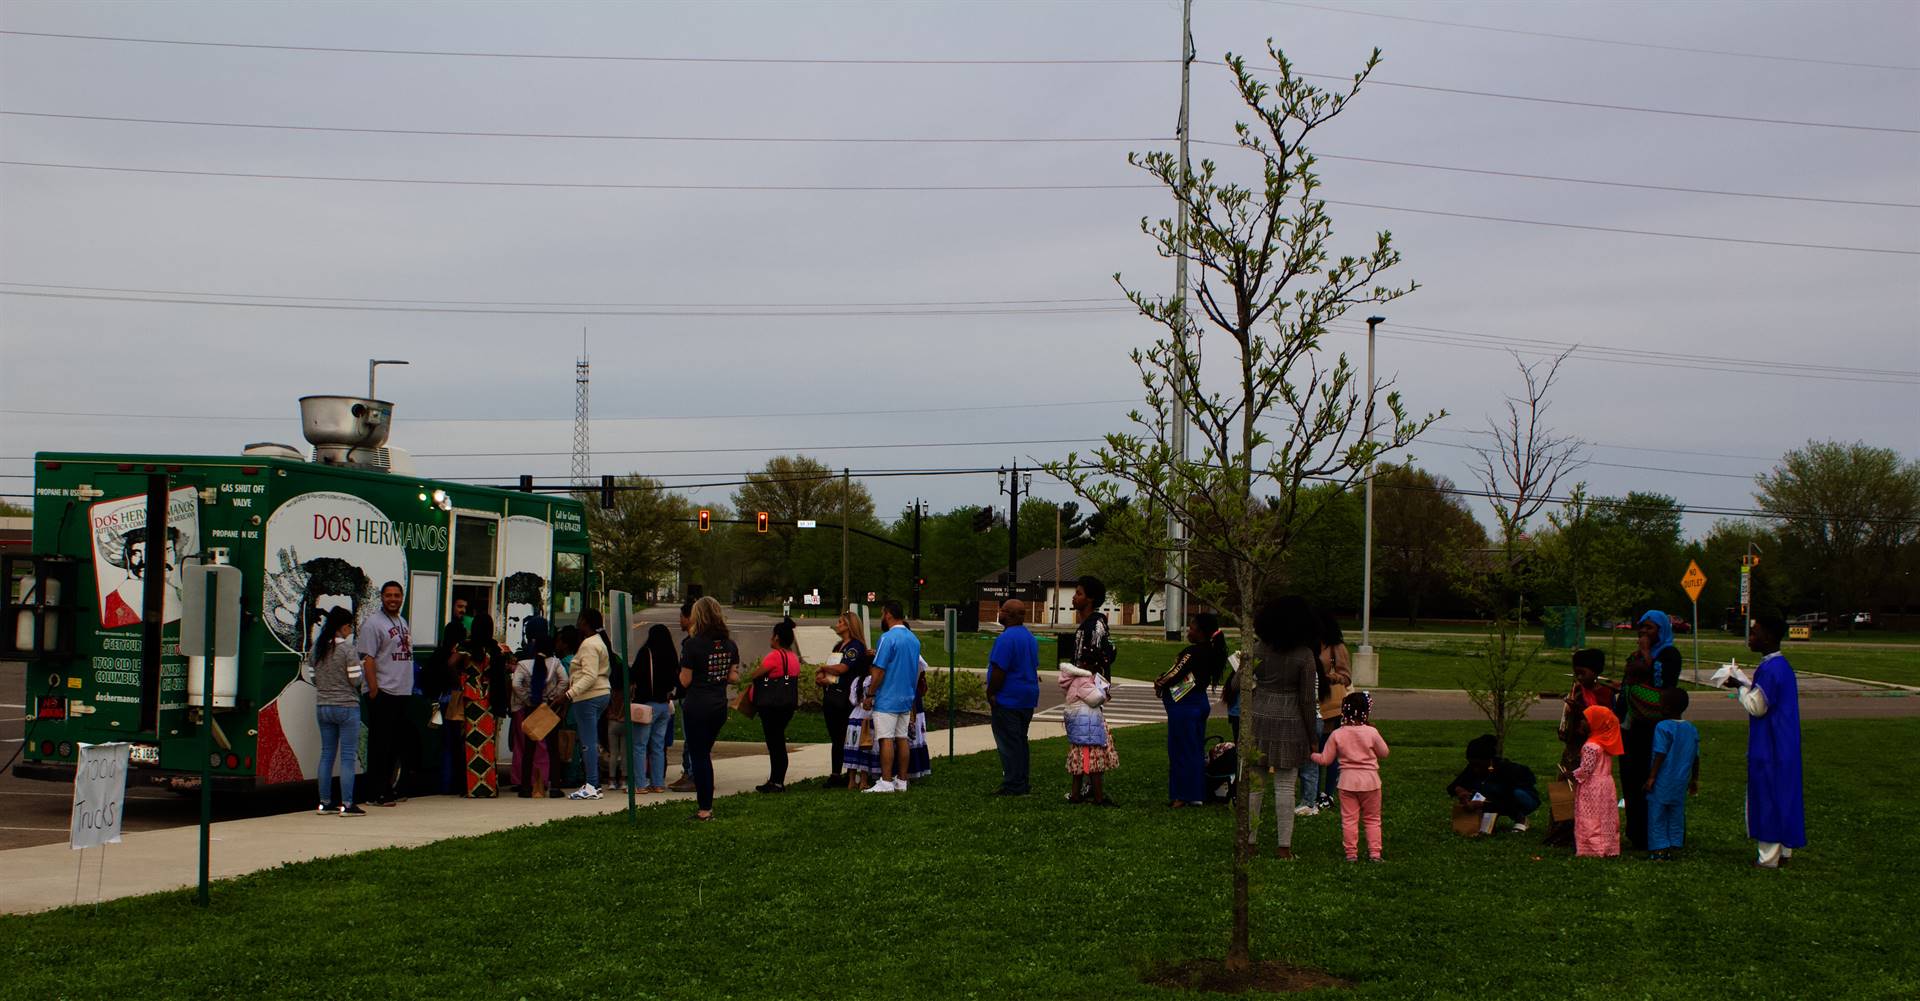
column 778, row 693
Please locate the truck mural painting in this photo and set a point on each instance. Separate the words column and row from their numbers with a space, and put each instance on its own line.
column 307, row 537
column 123, row 556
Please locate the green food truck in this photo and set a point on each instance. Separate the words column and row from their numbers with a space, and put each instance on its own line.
column 94, row 607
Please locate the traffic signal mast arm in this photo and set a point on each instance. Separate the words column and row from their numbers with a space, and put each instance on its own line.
column 903, row 547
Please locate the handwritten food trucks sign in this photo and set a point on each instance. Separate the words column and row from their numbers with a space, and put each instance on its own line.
column 99, row 795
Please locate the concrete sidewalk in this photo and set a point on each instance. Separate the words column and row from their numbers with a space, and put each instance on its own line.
column 43, row 877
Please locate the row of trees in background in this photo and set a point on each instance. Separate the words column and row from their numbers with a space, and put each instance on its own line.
column 1847, row 539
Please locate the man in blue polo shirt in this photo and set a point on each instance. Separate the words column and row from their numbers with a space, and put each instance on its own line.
column 894, row 681
column 1013, row 686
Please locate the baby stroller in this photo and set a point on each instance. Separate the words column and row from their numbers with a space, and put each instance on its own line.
column 1223, row 769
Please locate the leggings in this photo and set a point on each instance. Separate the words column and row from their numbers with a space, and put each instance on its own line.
column 1284, row 783
column 773, row 722
column 703, row 724
column 838, row 711
column 1355, row 807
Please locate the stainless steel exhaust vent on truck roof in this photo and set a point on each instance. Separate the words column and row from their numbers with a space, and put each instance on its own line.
column 347, row 430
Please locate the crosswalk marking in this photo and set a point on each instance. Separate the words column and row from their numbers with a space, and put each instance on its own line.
column 1126, row 704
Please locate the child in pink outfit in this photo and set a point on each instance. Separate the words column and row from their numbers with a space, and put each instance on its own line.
column 1358, row 747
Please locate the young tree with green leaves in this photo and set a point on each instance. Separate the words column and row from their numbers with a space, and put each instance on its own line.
column 645, row 538
column 1281, row 418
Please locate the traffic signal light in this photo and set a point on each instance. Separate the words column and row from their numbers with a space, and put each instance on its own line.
column 983, row 519
column 706, row 520
column 760, row 523
column 919, row 582
column 606, row 490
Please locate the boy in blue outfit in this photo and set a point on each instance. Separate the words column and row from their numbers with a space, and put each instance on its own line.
column 1675, row 775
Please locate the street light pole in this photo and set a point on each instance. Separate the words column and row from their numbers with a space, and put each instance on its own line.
column 373, row 364
column 1366, row 664
column 1173, row 612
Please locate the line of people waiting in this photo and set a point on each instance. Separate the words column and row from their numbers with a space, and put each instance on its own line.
column 1303, row 719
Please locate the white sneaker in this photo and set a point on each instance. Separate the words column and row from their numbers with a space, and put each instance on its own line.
column 584, row 792
column 1303, row 810
column 884, row 785
column 1520, row 828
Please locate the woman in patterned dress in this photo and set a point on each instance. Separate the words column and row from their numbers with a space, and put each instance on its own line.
column 475, row 662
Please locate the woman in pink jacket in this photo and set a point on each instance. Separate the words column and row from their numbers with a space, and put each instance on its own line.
column 1358, row 748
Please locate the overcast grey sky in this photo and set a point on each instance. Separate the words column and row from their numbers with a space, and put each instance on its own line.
column 271, row 237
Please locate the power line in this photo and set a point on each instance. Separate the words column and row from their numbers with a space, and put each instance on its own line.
column 806, row 61
column 1594, row 39
column 602, row 185
column 1567, row 102
column 1115, row 302
column 876, row 412
column 1644, row 353
column 1561, row 178
column 623, row 137
column 689, row 314
column 723, row 60
column 1642, row 362
column 914, row 188
column 787, row 448
column 1109, row 299
column 1632, row 232
column 1484, row 342
column 1615, row 503
column 912, row 140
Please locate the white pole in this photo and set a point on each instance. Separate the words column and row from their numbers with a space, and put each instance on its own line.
column 1174, row 615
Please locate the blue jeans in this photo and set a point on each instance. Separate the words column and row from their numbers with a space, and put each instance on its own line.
column 586, row 719
column 339, row 731
column 1310, row 772
column 650, row 746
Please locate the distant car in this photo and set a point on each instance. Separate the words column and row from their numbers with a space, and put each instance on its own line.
column 1680, row 626
column 1863, row 620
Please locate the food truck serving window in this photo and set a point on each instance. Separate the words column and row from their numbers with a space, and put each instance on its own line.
column 473, row 545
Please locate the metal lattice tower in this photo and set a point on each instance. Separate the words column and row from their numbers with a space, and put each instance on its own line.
column 582, row 457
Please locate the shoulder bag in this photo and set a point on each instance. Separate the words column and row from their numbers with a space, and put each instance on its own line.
column 782, row 692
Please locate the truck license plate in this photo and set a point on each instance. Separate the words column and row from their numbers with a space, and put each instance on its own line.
column 145, row 754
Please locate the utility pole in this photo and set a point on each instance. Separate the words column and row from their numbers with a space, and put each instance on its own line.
column 1012, row 486
column 1366, row 664
column 1174, row 614
column 846, row 547
column 916, row 558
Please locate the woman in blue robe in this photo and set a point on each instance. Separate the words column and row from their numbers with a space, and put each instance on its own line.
column 1776, row 808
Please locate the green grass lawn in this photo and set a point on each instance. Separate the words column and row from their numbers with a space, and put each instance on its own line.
column 1443, row 659
column 943, row 892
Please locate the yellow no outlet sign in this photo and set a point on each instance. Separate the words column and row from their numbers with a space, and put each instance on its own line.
column 1693, row 580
